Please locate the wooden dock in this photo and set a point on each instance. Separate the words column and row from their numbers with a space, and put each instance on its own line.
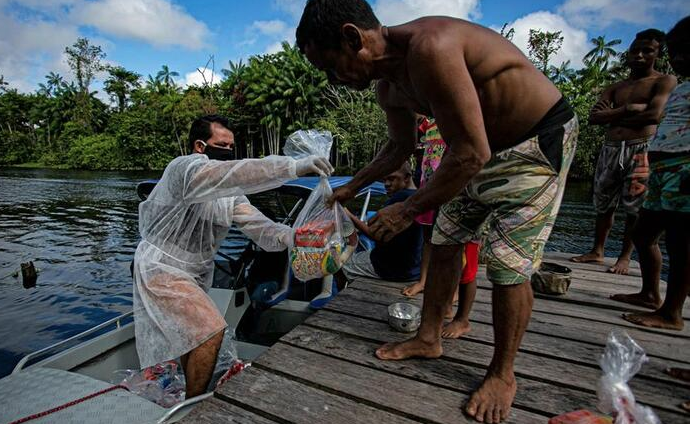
column 325, row 371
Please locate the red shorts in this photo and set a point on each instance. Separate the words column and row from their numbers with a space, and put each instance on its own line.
column 470, row 261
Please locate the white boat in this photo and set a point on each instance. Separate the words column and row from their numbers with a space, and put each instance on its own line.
column 70, row 381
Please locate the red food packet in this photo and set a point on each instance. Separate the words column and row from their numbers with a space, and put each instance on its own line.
column 581, row 417
column 314, row 234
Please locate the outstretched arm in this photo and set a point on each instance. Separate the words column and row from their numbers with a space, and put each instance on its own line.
column 454, row 103
column 359, row 224
column 270, row 236
column 206, row 179
column 402, row 137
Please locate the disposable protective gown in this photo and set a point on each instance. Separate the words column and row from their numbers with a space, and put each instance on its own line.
column 182, row 224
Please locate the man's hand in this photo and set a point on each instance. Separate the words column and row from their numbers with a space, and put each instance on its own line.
column 341, row 195
column 636, row 107
column 313, row 165
column 601, row 105
column 390, row 221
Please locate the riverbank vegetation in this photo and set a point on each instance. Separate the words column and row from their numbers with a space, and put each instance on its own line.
column 66, row 123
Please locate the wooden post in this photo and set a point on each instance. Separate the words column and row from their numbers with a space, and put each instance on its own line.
column 29, row 275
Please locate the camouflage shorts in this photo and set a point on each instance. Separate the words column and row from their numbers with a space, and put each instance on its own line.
column 515, row 199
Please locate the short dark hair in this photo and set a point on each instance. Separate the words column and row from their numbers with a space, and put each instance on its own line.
column 651, row 34
column 322, row 19
column 201, row 129
column 680, row 29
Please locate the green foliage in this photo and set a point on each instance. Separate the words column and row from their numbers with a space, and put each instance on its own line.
column 96, row 152
column 265, row 99
column 542, row 46
column 358, row 126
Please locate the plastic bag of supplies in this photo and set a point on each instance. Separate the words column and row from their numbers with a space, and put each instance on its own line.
column 325, row 237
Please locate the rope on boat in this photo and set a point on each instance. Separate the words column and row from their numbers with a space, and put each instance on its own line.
column 67, row 405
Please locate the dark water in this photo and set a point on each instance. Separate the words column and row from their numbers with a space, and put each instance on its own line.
column 80, row 229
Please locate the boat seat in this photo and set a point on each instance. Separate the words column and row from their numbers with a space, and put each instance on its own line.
column 39, row 389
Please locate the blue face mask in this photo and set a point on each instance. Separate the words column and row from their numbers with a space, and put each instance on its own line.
column 218, row 153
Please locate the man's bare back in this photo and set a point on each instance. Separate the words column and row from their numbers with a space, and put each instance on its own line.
column 512, row 93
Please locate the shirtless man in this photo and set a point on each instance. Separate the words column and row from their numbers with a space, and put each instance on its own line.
column 510, row 137
column 632, row 110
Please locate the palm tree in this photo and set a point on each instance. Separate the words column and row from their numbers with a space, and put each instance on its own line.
column 563, row 73
column 165, row 76
column 602, row 51
column 120, row 84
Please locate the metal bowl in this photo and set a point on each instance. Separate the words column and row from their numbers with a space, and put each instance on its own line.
column 404, row 317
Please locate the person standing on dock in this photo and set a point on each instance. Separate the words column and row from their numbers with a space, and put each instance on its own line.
column 666, row 207
column 182, row 224
column 631, row 109
column 510, row 139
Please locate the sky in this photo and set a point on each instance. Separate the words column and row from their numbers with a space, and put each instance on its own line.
column 143, row 35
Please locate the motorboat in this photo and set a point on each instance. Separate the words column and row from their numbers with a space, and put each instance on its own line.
column 71, row 381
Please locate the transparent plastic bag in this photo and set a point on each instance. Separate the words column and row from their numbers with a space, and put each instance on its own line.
column 303, row 143
column 621, row 360
column 163, row 383
column 228, row 362
column 325, row 236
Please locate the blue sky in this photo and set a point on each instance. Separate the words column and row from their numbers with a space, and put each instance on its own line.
column 142, row 35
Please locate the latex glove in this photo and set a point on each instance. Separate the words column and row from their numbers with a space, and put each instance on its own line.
column 313, row 164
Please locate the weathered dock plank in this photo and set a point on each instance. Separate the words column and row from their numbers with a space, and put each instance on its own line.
column 325, row 369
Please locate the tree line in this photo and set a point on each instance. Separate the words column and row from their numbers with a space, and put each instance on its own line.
column 64, row 124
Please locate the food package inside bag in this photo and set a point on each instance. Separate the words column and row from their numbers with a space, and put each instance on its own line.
column 325, row 237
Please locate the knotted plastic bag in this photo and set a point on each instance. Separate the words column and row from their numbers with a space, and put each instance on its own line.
column 621, row 360
column 325, row 236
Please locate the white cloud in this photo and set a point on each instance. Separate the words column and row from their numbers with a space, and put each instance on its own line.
column 602, row 13
column 272, row 32
column 157, row 22
column 28, row 49
column 575, row 41
column 394, row 12
column 293, row 7
column 33, row 38
column 196, row 77
column 274, row 27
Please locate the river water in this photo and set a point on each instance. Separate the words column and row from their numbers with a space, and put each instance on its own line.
column 80, row 230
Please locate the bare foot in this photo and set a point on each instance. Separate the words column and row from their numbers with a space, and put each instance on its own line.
column 640, row 299
column 455, row 329
column 679, row 373
column 413, row 289
column 587, row 258
column 686, row 405
column 413, row 347
column 654, row 319
column 491, row 402
column 621, row 267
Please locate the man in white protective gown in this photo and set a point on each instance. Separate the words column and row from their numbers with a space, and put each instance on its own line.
column 182, row 224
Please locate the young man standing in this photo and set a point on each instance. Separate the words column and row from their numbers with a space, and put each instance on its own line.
column 511, row 138
column 631, row 109
column 666, row 206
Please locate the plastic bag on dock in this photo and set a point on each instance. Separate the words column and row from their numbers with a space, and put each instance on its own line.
column 622, row 359
column 325, row 236
column 162, row 383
